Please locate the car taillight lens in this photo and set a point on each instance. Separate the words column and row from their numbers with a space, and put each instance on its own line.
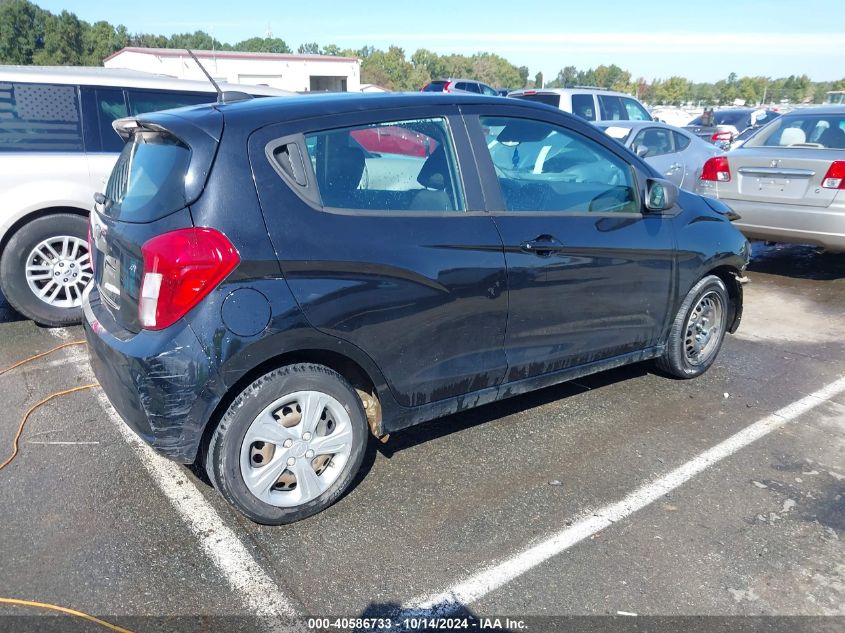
column 180, row 269
column 716, row 169
column 447, row 87
column 835, row 176
column 721, row 136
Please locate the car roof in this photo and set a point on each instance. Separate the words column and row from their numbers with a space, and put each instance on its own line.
column 562, row 91
column 260, row 112
column 119, row 77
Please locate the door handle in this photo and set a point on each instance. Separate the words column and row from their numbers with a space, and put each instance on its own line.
column 542, row 245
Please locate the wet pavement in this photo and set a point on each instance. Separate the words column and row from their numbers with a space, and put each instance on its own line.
column 762, row 532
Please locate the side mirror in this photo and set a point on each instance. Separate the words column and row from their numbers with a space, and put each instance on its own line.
column 661, row 195
column 641, row 150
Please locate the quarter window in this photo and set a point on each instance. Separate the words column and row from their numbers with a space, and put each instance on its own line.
column 39, row 118
column 396, row 166
column 658, row 141
column 110, row 106
column 545, row 168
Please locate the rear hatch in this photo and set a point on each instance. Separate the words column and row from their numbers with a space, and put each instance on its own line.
column 162, row 169
column 776, row 175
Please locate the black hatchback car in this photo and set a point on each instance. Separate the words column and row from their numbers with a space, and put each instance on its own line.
column 268, row 291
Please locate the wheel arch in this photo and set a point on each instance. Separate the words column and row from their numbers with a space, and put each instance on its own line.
column 732, row 278
column 28, row 217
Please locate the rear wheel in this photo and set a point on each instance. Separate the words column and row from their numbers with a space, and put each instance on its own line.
column 698, row 330
column 45, row 267
column 289, row 445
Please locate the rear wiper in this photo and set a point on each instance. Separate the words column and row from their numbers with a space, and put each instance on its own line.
column 104, row 200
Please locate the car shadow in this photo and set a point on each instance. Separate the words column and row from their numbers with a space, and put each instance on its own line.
column 441, row 427
column 7, row 313
column 798, row 261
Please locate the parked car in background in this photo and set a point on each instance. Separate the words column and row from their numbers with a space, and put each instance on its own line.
column 592, row 104
column 460, row 85
column 57, row 146
column 722, row 127
column 261, row 306
column 675, row 153
column 671, row 115
column 788, row 180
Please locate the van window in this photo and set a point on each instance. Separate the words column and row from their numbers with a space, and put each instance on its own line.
column 611, row 108
column 584, row 106
column 411, row 167
column 39, row 118
column 635, row 111
column 542, row 167
column 143, row 101
column 111, row 105
column 549, row 98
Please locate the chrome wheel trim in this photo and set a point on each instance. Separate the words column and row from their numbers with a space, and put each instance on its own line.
column 704, row 329
column 296, row 448
column 58, row 269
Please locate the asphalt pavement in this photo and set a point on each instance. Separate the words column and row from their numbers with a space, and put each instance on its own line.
column 92, row 522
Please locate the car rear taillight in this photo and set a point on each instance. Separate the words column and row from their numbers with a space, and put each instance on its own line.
column 721, row 136
column 180, row 269
column 835, row 176
column 447, row 87
column 716, row 169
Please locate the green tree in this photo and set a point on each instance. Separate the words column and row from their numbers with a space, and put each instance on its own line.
column 199, row 40
column 101, row 40
column 538, row 80
column 523, row 76
column 675, row 90
column 63, row 36
column 309, row 48
column 262, row 45
column 21, row 31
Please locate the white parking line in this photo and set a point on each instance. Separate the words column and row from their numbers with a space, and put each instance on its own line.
column 495, row 576
column 260, row 595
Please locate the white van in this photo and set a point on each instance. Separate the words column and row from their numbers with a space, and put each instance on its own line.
column 57, row 147
column 592, row 104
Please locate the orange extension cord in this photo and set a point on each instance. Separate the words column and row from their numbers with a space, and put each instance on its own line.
column 31, row 603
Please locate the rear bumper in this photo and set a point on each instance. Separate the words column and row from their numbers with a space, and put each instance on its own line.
column 798, row 224
column 154, row 380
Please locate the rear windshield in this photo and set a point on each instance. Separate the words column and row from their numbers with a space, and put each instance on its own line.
column 435, row 86
column 547, row 98
column 148, row 180
column 727, row 118
column 818, row 131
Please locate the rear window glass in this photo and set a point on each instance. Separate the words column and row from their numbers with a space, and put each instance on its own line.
column 39, row 118
column 547, row 98
column 148, row 180
column 435, row 86
column 803, row 130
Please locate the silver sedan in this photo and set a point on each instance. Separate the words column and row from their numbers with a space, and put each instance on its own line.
column 675, row 153
column 788, row 180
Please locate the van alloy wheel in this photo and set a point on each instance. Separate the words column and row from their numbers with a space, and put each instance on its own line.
column 296, row 448
column 58, row 269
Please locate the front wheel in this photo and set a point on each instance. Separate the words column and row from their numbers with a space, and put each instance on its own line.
column 45, row 267
column 289, row 445
column 698, row 330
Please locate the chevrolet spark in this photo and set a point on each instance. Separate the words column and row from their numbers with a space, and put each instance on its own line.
column 271, row 287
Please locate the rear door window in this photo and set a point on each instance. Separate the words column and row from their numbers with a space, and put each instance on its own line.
column 39, row 118
column 111, row 105
column 410, row 168
column 611, row 108
column 584, row 106
column 542, row 167
column 487, row 90
column 143, row 101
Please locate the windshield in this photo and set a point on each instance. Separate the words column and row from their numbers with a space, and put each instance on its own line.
column 818, row 131
column 148, row 180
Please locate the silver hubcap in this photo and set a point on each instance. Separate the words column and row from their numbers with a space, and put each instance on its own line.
column 296, row 448
column 58, row 269
column 704, row 329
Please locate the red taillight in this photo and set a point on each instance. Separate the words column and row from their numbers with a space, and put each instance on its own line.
column 717, row 169
column 180, row 269
column 721, row 136
column 835, row 176
column 447, row 87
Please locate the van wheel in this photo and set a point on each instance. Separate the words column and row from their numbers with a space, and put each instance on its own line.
column 698, row 330
column 289, row 445
column 45, row 267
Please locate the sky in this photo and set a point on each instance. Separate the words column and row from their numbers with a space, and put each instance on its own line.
column 703, row 41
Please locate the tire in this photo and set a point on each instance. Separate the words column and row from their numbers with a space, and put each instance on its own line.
column 66, row 234
column 698, row 330
column 249, row 461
